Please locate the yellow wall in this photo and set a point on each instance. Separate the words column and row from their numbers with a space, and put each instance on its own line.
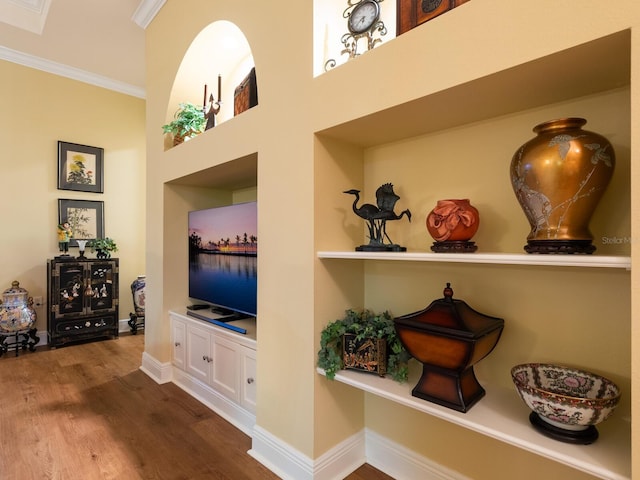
column 285, row 301
column 302, row 209
column 38, row 109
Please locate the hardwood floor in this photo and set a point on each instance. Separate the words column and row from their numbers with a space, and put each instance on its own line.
column 85, row 412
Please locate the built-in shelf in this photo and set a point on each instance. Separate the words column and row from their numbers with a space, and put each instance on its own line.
column 503, row 416
column 490, row 258
column 606, row 62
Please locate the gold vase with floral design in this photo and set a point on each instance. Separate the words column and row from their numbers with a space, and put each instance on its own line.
column 559, row 177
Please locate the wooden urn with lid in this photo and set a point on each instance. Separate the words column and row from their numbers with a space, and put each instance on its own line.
column 449, row 338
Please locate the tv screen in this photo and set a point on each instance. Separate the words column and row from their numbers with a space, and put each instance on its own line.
column 223, row 265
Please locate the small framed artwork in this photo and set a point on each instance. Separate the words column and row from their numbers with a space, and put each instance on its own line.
column 85, row 219
column 80, row 167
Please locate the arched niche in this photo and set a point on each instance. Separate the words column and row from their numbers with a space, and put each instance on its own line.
column 219, row 49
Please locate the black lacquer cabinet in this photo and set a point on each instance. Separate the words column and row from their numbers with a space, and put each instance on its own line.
column 82, row 299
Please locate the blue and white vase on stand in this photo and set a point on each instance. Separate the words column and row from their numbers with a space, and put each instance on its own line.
column 136, row 320
column 138, row 292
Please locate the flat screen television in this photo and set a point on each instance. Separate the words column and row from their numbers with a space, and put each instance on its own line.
column 223, row 250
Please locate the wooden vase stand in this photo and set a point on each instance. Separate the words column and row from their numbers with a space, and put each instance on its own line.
column 560, row 246
column 29, row 340
column 454, row 247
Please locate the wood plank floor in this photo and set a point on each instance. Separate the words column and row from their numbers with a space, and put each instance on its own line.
column 85, row 412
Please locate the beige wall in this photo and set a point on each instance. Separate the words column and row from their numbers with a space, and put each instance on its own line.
column 38, row 109
column 302, row 209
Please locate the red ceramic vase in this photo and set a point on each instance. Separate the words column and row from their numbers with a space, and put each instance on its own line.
column 453, row 221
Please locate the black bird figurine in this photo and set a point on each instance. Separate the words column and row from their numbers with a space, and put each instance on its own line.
column 377, row 216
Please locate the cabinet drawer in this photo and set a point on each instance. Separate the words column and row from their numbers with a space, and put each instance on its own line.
column 85, row 325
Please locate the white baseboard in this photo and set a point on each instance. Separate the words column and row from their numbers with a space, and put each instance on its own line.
column 288, row 463
column 402, row 463
column 279, row 457
column 158, row 371
column 226, row 408
column 364, row 447
column 123, row 325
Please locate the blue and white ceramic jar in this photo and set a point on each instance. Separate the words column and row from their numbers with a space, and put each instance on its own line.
column 138, row 292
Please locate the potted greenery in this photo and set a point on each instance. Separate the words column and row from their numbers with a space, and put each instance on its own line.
column 103, row 247
column 365, row 325
column 189, row 121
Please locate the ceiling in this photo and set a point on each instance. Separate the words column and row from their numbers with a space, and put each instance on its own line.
column 97, row 41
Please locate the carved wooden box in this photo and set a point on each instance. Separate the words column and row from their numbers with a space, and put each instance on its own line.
column 245, row 95
column 411, row 13
column 367, row 354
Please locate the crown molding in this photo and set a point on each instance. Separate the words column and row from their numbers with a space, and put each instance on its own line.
column 70, row 72
column 30, row 15
column 146, row 12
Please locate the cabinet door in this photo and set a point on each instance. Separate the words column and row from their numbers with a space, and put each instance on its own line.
column 102, row 276
column 248, row 379
column 178, row 342
column 67, row 289
column 225, row 368
column 199, row 353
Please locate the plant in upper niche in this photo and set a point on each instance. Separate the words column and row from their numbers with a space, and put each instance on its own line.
column 364, row 324
column 189, row 121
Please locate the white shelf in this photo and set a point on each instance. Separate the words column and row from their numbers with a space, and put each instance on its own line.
column 503, row 416
column 491, row 258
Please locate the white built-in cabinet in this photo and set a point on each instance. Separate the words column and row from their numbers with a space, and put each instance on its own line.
column 217, row 366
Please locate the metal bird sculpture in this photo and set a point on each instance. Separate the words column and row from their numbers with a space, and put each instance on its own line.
column 377, row 217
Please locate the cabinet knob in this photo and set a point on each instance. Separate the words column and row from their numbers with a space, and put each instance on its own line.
column 204, row 357
column 250, row 381
column 207, row 359
column 177, row 344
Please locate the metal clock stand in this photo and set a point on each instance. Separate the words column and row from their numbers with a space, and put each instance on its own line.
column 364, row 24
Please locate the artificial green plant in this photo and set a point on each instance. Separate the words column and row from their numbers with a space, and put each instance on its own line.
column 188, row 121
column 364, row 324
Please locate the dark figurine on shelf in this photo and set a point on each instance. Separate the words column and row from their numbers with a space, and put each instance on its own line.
column 376, row 218
column 211, row 112
column 211, row 107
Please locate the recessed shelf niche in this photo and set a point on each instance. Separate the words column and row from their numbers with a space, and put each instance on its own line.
column 220, row 49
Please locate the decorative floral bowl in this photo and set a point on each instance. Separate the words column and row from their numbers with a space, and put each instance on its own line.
column 567, row 403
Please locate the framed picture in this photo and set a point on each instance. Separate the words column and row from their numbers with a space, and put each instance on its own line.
column 85, row 218
column 80, row 167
